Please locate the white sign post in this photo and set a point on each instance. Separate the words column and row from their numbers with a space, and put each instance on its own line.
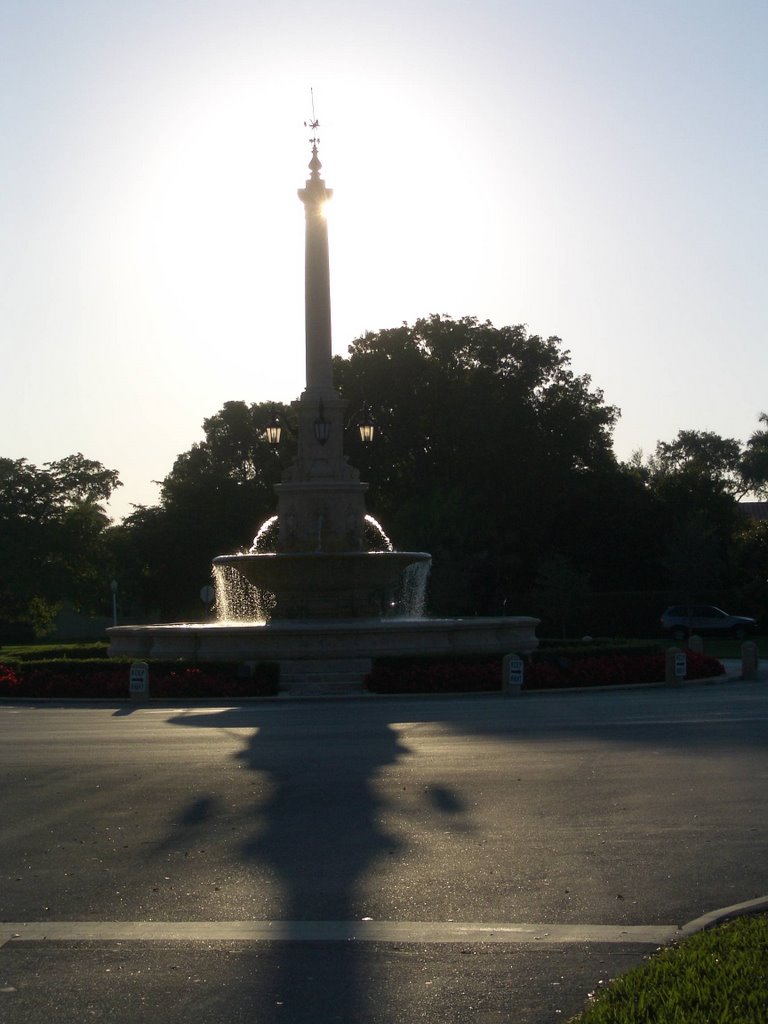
column 675, row 666
column 138, row 686
column 513, row 671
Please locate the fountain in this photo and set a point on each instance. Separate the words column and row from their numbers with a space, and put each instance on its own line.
column 326, row 598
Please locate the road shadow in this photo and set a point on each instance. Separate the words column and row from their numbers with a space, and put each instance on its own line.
column 317, row 830
column 323, row 821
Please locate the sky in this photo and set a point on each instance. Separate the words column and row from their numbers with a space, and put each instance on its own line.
column 595, row 169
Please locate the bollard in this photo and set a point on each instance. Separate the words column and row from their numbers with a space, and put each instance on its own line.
column 750, row 660
column 675, row 667
column 138, row 686
column 512, row 674
column 695, row 643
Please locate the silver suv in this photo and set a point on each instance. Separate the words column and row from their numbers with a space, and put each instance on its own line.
column 681, row 621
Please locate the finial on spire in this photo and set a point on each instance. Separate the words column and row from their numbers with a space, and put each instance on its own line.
column 313, row 123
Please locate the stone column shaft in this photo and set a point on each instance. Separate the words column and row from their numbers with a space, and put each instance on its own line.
column 317, row 283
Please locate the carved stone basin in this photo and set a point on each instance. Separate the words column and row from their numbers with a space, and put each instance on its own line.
column 330, row 585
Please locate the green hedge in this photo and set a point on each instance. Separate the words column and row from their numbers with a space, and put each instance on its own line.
column 48, row 652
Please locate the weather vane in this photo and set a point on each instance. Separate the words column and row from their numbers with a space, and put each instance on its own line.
column 314, row 124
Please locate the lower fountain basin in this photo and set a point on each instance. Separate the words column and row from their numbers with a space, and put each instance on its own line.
column 326, row 585
column 291, row 641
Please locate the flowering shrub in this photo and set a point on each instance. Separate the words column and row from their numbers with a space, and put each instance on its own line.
column 48, row 682
column 8, row 680
column 613, row 669
column 109, row 680
column 608, row 669
column 702, row 666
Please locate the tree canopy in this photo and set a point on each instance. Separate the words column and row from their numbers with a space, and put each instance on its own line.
column 484, row 434
column 211, row 502
column 491, row 453
column 754, row 460
column 53, row 537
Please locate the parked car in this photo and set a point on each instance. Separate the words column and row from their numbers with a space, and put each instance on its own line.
column 681, row 621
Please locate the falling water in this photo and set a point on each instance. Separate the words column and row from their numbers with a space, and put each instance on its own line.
column 412, row 592
column 237, row 600
column 375, row 537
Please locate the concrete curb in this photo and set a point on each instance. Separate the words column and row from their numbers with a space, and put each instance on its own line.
column 439, row 932
column 715, row 917
column 287, row 698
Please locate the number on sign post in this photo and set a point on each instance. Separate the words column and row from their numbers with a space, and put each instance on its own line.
column 516, row 671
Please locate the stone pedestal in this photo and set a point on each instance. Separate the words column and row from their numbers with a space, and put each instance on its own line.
column 321, row 501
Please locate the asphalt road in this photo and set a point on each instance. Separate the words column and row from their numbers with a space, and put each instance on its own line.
column 372, row 860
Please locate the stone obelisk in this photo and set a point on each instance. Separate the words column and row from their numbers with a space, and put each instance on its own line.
column 321, row 504
column 317, row 279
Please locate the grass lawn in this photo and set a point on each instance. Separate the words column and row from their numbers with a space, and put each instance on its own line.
column 728, row 647
column 718, row 646
column 88, row 648
column 718, row 976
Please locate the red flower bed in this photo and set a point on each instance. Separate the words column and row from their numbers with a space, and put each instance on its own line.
column 110, row 681
column 540, row 673
column 8, row 680
column 47, row 682
column 612, row 670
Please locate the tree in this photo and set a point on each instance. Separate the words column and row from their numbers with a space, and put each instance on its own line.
column 78, row 480
column 698, row 478
column 212, row 502
column 561, row 594
column 697, row 456
column 754, row 461
column 483, row 432
column 53, row 530
column 693, row 558
column 751, row 557
column 485, row 437
column 491, row 453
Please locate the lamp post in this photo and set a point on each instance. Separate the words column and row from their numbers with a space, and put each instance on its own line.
column 366, row 426
column 113, row 588
column 273, row 429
